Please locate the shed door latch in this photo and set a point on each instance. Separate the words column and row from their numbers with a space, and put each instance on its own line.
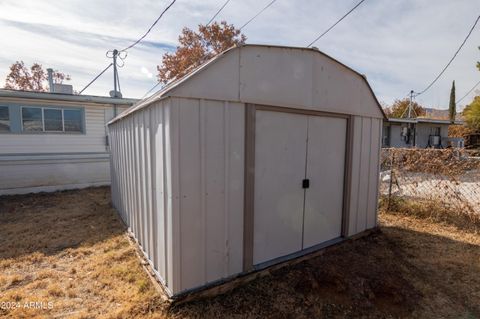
column 306, row 183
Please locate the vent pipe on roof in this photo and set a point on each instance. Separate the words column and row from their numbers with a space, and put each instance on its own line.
column 50, row 80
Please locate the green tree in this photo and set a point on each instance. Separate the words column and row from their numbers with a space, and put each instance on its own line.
column 452, row 107
column 471, row 113
column 399, row 109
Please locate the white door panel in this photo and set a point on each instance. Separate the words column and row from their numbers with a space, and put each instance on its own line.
column 325, row 170
column 280, row 155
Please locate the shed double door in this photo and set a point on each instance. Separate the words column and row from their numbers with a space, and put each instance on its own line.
column 289, row 150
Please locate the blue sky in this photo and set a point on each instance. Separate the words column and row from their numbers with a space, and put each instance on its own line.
column 398, row 44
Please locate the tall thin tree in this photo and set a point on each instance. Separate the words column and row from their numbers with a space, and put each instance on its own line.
column 452, row 107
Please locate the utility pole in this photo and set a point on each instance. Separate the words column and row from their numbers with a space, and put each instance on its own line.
column 412, row 126
column 115, row 76
column 410, row 105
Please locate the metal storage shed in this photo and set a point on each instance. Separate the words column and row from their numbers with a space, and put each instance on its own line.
column 260, row 155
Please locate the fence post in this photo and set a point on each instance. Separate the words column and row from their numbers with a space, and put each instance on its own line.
column 392, row 161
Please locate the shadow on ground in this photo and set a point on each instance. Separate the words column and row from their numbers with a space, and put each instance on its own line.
column 395, row 272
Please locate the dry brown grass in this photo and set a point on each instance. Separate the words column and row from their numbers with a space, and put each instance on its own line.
column 432, row 211
column 70, row 248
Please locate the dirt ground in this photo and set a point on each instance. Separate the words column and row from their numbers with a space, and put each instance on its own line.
column 66, row 254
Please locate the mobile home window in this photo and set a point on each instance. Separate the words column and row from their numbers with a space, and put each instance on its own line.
column 4, row 119
column 72, row 120
column 46, row 119
column 53, row 120
column 32, row 119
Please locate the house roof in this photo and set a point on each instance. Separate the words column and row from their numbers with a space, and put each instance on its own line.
column 164, row 92
column 423, row 120
column 4, row 93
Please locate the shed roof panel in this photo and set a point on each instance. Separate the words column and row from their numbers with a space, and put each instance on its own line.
column 274, row 75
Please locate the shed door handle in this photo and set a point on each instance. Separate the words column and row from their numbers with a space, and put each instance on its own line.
column 306, row 183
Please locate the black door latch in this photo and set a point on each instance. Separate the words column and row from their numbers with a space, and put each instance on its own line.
column 306, row 183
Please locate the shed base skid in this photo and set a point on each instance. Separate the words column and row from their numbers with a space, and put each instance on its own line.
column 226, row 285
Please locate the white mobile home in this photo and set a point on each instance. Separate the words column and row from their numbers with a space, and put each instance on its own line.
column 419, row 132
column 260, row 155
column 51, row 141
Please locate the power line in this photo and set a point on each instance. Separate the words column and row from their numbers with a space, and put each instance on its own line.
column 95, row 78
column 118, row 53
column 473, row 88
column 153, row 88
column 186, row 71
column 451, row 60
column 219, row 10
column 259, row 13
column 149, row 29
column 338, row 21
column 210, row 21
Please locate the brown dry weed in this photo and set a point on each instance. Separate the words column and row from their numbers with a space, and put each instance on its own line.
column 71, row 249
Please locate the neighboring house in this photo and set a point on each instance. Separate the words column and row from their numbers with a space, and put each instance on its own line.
column 51, row 141
column 418, row 132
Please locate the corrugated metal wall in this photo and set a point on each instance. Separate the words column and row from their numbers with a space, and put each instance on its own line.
column 178, row 178
column 140, row 161
column 177, row 181
column 367, row 134
column 210, row 153
column 178, row 162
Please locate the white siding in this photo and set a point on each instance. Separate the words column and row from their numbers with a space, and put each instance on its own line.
column 364, row 174
column 34, row 162
column 94, row 139
column 210, row 174
column 65, row 172
column 290, row 77
column 131, row 185
column 188, row 194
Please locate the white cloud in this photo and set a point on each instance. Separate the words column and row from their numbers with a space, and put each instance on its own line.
column 399, row 45
column 145, row 71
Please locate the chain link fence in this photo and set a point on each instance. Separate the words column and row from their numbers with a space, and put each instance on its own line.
column 448, row 177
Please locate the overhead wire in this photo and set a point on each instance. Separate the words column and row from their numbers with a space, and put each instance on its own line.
column 259, row 13
column 337, row 22
column 216, row 14
column 95, row 78
column 473, row 88
column 149, row 29
column 153, row 88
column 208, row 23
column 122, row 54
column 451, row 60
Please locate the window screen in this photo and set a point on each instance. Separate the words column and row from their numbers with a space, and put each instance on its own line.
column 32, row 119
column 4, row 119
column 53, row 120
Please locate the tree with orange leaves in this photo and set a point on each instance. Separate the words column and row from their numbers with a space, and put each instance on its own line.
column 399, row 109
column 197, row 47
column 33, row 79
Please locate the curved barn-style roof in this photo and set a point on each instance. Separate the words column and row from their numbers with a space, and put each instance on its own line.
column 275, row 75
